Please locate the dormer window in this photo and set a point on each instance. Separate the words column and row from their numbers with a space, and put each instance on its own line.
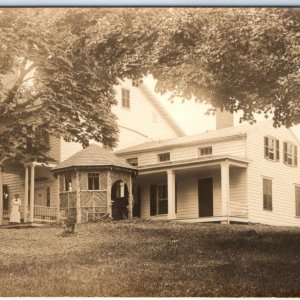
column 162, row 157
column 290, row 154
column 205, row 151
column 271, row 148
column 125, row 98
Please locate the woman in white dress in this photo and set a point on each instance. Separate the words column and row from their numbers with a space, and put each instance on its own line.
column 15, row 216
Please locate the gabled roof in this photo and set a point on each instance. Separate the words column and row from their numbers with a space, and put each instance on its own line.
column 162, row 110
column 93, row 156
column 210, row 136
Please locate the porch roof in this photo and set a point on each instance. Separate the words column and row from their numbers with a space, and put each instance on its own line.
column 197, row 162
column 93, row 156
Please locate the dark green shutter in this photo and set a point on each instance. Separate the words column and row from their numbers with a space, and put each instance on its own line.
column 153, row 200
column 295, row 156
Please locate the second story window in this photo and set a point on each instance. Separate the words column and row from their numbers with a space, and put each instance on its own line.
column 204, row 151
column 290, row 154
column 271, row 148
column 133, row 161
column 163, row 156
column 42, row 135
column 93, row 181
column 125, row 98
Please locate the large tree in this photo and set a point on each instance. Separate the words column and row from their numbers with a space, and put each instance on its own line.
column 237, row 58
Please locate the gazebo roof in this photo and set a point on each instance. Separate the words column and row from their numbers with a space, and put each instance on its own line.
column 93, row 156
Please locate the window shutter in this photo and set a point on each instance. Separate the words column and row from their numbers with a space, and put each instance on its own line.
column 285, row 158
column 153, row 200
column 277, row 149
column 295, row 156
column 266, row 147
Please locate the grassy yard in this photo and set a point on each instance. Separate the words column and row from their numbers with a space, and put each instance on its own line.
column 140, row 258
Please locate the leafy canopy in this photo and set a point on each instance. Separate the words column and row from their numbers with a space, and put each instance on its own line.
column 59, row 66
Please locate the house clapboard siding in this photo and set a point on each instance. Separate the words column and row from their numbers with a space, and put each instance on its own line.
column 283, row 178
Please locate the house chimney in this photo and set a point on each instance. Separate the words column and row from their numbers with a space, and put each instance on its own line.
column 224, row 118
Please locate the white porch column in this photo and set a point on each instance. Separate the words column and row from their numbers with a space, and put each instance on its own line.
column 225, row 195
column 1, row 195
column 31, row 193
column 26, row 195
column 171, row 195
column 78, row 205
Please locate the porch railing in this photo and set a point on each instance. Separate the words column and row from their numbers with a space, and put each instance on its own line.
column 5, row 217
column 45, row 214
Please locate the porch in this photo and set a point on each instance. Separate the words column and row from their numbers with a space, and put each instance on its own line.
column 210, row 190
column 35, row 185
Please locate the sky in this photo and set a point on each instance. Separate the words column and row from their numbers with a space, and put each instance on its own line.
column 191, row 117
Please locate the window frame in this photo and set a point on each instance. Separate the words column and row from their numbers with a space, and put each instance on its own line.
column 267, row 198
column 274, row 150
column 93, row 176
column 162, row 189
column 133, row 158
column 125, row 98
column 205, row 148
column 160, row 155
column 290, row 155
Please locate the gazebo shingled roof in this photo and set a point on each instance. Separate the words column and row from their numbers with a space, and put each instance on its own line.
column 93, row 156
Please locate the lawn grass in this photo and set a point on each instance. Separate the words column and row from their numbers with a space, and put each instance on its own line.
column 144, row 258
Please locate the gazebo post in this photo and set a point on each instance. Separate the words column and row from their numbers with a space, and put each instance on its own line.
column 78, row 205
column 108, row 193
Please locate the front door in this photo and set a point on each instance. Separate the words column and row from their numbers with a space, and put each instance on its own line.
column 39, row 195
column 205, row 197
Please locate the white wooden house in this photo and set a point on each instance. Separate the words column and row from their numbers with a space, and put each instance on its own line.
column 235, row 174
column 141, row 118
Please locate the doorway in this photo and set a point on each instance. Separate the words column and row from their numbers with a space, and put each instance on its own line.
column 119, row 200
column 205, row 197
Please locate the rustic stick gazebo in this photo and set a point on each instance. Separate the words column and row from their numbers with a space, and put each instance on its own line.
column 95, row 182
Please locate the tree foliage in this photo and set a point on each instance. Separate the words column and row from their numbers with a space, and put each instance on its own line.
column 237, row 58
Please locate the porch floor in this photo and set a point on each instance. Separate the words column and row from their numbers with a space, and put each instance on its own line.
column 214, row 219
column 24, row 225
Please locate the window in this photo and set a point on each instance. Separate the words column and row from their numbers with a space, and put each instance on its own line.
column 162, row 199
column 42, row 135
column 93, row 181
column 267, row 191
column 68, row 183
column 133, row 161
column 125, row 98
column 163, row 157
column 204, row 151
column 271, row 148
column 158, row 199
column 297, row 199
column 290, row 154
